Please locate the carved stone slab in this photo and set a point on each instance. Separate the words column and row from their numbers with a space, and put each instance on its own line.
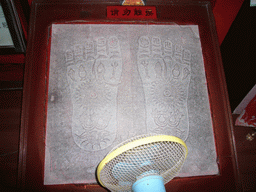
column 110, row 82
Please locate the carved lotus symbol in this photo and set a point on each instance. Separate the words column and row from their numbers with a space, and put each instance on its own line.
column 168, row 93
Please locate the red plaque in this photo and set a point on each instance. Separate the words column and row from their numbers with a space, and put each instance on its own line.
column 131, row 12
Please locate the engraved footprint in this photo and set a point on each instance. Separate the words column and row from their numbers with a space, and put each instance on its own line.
column 93, row 71
column 165, row 72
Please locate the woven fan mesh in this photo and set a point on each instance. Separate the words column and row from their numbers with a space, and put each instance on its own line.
column 163, row 158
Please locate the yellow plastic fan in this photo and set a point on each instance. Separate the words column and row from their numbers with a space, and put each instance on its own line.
column 143, row 163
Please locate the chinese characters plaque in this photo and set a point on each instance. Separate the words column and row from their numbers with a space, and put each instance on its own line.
column 131, row 12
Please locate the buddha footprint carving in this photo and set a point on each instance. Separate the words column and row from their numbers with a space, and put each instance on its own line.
column 164, row 68
column 93, row 71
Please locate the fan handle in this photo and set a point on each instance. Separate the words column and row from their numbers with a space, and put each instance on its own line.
column 152, row 183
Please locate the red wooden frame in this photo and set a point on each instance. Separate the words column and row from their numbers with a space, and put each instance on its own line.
column 32, row 136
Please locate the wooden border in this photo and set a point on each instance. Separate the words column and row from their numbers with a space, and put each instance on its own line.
column 32, row 137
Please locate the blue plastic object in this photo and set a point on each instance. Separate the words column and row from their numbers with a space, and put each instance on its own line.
column 152, row 183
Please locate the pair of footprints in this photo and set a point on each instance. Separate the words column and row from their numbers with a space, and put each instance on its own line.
column 94, row 72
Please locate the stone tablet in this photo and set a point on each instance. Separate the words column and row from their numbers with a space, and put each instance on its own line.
column 110, row 82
